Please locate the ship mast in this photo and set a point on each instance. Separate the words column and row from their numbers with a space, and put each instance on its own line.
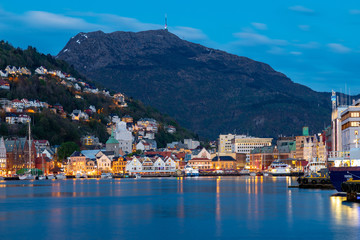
column 29, row 146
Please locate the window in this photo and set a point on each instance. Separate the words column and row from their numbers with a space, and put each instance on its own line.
column 354, row 124
column 355, row 114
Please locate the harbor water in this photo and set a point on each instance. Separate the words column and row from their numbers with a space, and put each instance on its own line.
column 174, row 208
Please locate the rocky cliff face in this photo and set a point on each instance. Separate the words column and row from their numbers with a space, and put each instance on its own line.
column 207, row 90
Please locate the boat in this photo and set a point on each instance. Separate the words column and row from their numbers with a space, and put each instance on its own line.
column 50, row 176
column 315, row 166
column 27, row 176
column 278, row 168
column 137, row 176
column 106, row 176
column 81, row 175
column 41, row 177
column 2, row 178
column 60, row 176
column 346, row 166
column 191, row 172
column 253, row 174
column 244, row 172
column 265, row 174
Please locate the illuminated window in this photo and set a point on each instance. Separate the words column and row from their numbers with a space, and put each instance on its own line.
column 354, row 124
column 355, row 114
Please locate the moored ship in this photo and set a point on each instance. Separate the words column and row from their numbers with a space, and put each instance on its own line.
column 278, row 168
column 346, row 166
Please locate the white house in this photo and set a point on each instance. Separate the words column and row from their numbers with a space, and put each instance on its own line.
column 4, row 74
column 23, row 118
column 41, row 70
column 103, row 160
column 17, row 103
column 143, row 146
column 11, row 118
column 153, row 165
column 76, row 115
column 133, row 166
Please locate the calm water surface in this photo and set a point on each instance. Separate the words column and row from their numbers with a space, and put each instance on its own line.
column 173, row 208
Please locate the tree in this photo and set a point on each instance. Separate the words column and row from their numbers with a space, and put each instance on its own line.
column 66, row 149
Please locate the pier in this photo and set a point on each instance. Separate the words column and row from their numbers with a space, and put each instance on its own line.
column 352, row 190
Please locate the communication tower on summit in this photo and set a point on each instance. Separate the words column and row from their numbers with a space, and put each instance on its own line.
column 166, row 26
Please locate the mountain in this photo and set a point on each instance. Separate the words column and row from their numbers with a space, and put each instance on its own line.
column 207, row 90
column 56, row 127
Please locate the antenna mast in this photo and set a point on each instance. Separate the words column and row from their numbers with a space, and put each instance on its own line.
column 29, row 146
column 166, row 26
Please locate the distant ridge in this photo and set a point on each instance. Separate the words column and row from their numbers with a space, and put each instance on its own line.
column 207, row 90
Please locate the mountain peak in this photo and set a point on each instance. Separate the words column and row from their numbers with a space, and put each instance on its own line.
column 208, row 90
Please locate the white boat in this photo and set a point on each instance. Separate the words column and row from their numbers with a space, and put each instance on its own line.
column 2, row 178
column 314, row 166
column 191, row 172
column 265, row 174
column 81, row 175
column 106, row 176
column 253, row 174
column 27, row 176
column 41, row 177
column 61, row 176
column 50, row 176
column 278, row 168
column 137, row 176
column 245, row 172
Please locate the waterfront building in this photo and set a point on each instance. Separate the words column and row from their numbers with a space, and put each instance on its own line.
column 2, row 157
column 17, row 154
column 226, row 143
column 200, row 159
column 76, row 163
column 103, row 160
column 119, row 165
column 350, row 127
column 151, row 165
column 225, row 163
column 91, row 168
column 44, row 164
column 244, row 144
column 262, row 157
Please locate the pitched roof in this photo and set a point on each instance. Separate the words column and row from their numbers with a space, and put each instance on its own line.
column 223, row 158
column 77, row 154
column 198, row 159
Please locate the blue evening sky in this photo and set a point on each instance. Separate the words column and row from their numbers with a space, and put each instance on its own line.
column 315, row 43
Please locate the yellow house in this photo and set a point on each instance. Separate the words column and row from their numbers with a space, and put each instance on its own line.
column 119, row 165
column 223, row 163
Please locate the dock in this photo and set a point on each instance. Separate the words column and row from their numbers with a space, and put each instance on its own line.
column 352, row 190
column 314, row 183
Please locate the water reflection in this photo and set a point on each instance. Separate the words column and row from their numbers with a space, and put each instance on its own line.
column 225, row 207
column 345, row 213
column 218, row 207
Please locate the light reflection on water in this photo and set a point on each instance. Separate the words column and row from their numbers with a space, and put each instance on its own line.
column 210, row 207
